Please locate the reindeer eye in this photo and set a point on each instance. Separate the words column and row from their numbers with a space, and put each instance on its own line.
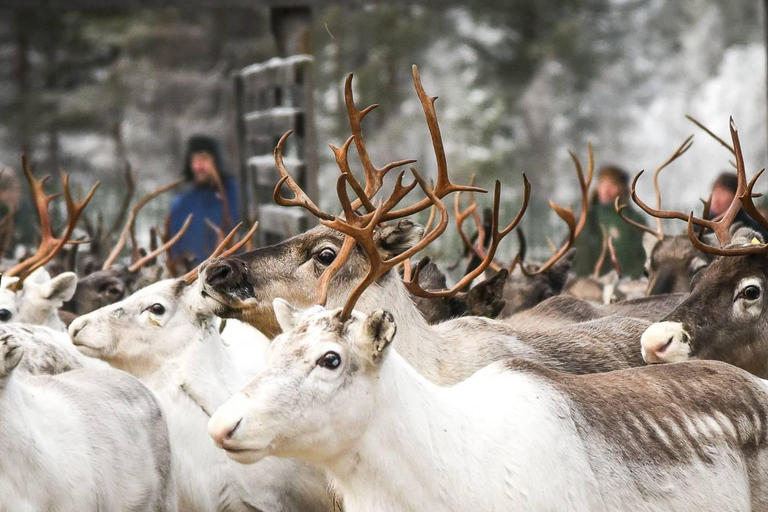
column 330, row 360
column 156, row 309
column 751, row 292
column 5, row 315
column 326, row 256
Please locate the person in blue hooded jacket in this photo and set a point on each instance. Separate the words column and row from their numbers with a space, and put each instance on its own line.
column 211, row 188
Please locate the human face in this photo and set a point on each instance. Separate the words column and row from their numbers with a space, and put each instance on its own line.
column 607, row 191
column 203, row 168
column 721, row 199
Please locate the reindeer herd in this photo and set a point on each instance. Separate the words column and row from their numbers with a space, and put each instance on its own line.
column 335, row 371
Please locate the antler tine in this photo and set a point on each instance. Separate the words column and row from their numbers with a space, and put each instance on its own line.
column 584, row 184
column 159, row 250
column 749, row 205
column 620, row 210
column 443, row 185
column 216, row 229
column 680, row 151
column 242, row 243
column 42, row 203
column 374, row 177
column 128, row 227
column 570, row 221
column 74, row 210
column 300, row 198
column 497, row 235
column 221, row 251
column 342, row 160
column 574, row 228
column 478, row 248
column 711, row 134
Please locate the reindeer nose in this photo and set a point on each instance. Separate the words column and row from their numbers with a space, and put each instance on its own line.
column 665, row 342
column 222, row 431
column 224, row 274
column 77, row 325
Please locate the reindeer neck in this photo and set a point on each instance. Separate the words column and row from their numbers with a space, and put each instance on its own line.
column 415, row 429
column 26, row 421
column 417, row 341
column 204, row 371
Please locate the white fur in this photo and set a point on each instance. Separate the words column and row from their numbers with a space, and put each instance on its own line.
column 665, row 342
column 181, row 356
column 39, row 299
column 84, row 440
column 393, row 441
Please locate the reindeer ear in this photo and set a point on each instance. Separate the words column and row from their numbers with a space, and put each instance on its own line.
column 60, row 288
column 378, row 331
column 649, row 242
column 487, row 298
column 287, row 315
column 397, row 238
column 558, row 274
column 11, row 353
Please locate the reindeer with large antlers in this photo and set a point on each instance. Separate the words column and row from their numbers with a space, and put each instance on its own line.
column 725, row 316
column 328, row 263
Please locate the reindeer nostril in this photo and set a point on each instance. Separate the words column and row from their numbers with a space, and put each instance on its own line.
column 232, row 432
column 220, row 275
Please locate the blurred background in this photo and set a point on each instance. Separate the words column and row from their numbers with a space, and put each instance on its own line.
column 88, row 87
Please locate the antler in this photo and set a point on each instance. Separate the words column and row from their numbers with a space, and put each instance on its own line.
column 497, row 235
column 659, row 231
column 722, row 224
column 361, row 228
column 574, row 228
column 374, row 177
column 159, row 250
column 742, row 199
column 50, row 245
column 132, row 219
column 221, row 251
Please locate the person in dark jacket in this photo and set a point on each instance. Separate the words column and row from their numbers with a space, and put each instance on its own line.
column 612, row 182
column 213, row 196
column 723, row 192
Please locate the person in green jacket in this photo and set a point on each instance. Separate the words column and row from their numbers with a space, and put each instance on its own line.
column 612, row 182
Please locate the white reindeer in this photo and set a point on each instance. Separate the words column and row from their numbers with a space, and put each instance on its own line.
column 514, row 436
column 167, row 336
column 39, row 299
column 85, row 440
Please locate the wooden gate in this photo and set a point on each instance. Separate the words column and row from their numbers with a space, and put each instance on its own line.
column 272, row 98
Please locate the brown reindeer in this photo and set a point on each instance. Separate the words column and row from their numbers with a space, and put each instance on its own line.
column 724, row 316
column 671, row 260
column 298, row 270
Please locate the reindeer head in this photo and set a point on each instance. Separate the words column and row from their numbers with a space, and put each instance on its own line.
column 154, row 323
column 348, row 252
column 671, row 262
column 244, row 286
column 38, row 298
column 724, row 316
column 325, row 366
